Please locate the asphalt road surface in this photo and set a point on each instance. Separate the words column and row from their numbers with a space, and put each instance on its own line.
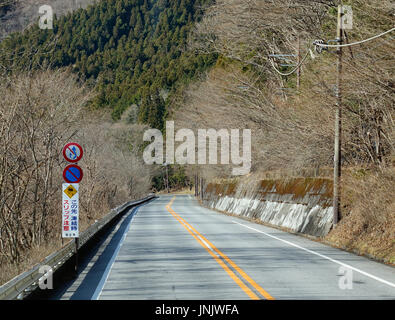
column 172, row 248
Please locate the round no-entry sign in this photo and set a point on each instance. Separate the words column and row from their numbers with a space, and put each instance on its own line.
column 72, row 152
column 72, row 174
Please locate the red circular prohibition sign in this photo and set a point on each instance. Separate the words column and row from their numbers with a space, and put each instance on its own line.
column 73, row 174
column 73, row 152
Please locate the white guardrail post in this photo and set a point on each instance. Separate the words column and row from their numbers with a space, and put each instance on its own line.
column 22, row 285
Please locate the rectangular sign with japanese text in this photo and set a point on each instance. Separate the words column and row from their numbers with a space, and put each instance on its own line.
column 70, row 210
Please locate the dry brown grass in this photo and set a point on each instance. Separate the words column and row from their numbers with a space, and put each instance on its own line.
column 32, row 257
column 368, row 224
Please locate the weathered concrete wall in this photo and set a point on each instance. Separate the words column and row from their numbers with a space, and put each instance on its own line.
column 302, row 204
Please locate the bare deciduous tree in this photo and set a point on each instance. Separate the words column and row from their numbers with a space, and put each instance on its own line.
column 39, row 113
column 35, row 115
column 294, row 129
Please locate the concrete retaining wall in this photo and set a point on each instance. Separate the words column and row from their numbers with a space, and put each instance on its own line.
column 302, row 205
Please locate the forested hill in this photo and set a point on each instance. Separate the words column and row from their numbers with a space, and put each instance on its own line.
column 129, row 49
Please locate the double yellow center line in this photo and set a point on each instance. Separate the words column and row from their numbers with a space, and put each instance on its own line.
column 221, row 258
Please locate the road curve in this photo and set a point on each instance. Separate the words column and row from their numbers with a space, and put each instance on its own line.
column 172, row 248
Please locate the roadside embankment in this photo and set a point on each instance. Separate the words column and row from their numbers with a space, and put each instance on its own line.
column 299, row 204
column 304, row 205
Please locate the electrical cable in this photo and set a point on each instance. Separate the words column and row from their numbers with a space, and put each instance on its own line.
column 294, row 70
column 354, row 43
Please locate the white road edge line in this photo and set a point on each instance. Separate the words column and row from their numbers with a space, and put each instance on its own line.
column 106, row 273
column 321, row 255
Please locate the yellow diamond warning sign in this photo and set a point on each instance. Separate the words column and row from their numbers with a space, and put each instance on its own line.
column 70, row 191
column 70, row 210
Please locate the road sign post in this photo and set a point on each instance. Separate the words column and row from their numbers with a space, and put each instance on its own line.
column 72, row 175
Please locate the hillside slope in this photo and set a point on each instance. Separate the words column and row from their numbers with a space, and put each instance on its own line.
column 130, row 50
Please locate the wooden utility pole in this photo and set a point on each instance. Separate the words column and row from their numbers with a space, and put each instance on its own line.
column 338, row 122
column 77, row 244
column 201, row 187
column 167, row 178
column 298, row 72
column 196, row 185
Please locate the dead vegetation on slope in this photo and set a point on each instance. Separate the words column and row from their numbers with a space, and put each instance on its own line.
column 368, row 226
column 293, row 126
column 39, row 113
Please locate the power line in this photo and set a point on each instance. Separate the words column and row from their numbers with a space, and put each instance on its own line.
column 338, row 114
column 294, row 70
column 328, row 46
column 351, row 44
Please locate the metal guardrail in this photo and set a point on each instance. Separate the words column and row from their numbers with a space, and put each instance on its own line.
column 23, row 284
